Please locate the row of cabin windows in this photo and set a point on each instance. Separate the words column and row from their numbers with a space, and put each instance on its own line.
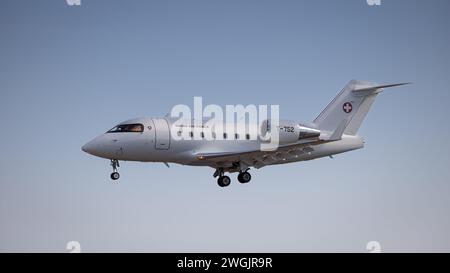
column 225, row 135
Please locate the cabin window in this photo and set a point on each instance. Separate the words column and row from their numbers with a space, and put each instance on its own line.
column 127, row 128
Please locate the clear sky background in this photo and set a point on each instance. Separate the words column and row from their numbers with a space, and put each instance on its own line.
column 68, row 74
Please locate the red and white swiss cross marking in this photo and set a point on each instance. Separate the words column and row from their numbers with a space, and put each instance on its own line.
column 347, row 107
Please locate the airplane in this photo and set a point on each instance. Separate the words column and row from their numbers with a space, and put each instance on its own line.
column 334, row 131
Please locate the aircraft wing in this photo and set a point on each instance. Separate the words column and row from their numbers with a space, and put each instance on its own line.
column 259, row 158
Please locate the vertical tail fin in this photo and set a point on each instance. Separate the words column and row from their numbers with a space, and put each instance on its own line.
column 346, row 112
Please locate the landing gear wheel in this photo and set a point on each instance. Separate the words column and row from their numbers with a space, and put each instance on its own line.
column 244, row 177
column 115, row 176
column 224, row 181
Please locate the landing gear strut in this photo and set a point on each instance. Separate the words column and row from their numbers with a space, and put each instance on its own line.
column 115, row 164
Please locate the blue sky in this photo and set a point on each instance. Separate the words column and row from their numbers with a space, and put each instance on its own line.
column 68, row 74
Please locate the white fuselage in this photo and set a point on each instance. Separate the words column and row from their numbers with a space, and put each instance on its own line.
column 156, row 144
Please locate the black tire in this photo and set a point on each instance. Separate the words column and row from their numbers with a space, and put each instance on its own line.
column 244, row 177
column 224, row 181
column 115, row 176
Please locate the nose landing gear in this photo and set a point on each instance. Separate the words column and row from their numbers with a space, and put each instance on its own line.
column 115, row 175
column 115, row 164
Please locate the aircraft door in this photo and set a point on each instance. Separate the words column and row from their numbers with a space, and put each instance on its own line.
column 162, row 134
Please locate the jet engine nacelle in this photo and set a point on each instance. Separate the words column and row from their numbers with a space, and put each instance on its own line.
column 291, row 131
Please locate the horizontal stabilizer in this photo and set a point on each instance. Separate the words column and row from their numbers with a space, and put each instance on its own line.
column 376, row 88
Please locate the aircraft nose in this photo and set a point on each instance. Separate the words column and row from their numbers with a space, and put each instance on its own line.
column 89, row 148
column 94, row 147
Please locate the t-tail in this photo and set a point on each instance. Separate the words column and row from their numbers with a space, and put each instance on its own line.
column 346, row 112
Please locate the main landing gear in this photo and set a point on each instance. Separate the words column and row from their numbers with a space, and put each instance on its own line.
column 244, row 177
column 115, row 164
column 224, row 181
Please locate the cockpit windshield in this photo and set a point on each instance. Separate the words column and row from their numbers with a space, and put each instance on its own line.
column 130, row 128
